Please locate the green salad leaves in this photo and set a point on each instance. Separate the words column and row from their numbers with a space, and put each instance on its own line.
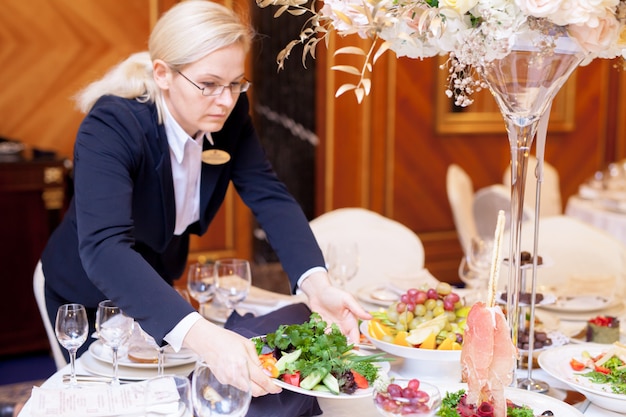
column 323, row 350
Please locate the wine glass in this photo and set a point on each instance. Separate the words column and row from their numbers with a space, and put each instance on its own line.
column 114, row 329
column 475, row 267
column 201, row 283
column 342, row 261
column 71, row 329
column 213, row 397
column 168, row 396
column 232, row 281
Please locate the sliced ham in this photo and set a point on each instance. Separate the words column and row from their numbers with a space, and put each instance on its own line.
column 488, row 357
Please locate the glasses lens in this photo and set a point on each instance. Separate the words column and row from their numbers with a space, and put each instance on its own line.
column 235, row 88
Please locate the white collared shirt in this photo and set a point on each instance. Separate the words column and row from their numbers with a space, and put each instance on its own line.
column 186, row 158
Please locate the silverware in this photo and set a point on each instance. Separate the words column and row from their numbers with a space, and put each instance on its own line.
column 94, row 379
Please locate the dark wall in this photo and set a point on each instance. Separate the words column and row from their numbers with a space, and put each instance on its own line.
column 284, row 111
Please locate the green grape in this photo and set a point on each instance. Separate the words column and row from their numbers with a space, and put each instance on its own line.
column 392, row 315
column 415, row 322
column 430, row 304
column 438, row 311
column 420, row 310
column 444, row 288
column 405, row 317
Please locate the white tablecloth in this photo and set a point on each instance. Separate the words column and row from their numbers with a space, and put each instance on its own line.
column 345, row 408
column 597, row 214
column 336, row 408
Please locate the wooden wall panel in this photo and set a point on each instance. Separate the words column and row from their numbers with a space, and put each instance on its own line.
column 49, row 50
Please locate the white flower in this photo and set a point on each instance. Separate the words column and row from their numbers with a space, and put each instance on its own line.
column 470, row 32
column 460, row 6
column 339, row 10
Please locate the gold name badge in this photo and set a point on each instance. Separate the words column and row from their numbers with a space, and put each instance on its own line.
column 215, row 157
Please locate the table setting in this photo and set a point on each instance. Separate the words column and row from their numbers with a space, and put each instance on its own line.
column 429, row 349
column 601, row 201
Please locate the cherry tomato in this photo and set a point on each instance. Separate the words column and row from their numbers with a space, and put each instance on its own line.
column 576, row 365
column 602, row 370
column 292, row 379
column 360, row 380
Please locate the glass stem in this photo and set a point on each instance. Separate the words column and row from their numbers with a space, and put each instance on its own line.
column 73, row 380
column 160, row 359
column 115, row 381
column 520, row 140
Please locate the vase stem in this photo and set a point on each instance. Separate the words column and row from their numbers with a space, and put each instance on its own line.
column 520, row 140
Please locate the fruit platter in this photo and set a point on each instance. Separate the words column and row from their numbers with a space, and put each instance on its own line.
column 423, row 325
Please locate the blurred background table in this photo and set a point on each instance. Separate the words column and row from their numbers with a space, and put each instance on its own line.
column 608, row 215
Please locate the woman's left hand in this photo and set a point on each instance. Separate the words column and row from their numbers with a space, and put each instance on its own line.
column 334, row 305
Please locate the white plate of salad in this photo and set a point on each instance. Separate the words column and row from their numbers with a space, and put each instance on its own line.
column 316, row 360
column 599, row 381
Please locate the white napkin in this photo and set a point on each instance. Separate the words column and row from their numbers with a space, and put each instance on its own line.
column 96, row 401
column 260, row 301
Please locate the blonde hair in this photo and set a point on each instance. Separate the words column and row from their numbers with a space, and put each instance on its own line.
column 186, row 33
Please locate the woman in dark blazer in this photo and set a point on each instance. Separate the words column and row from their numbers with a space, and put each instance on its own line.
column 164, row 135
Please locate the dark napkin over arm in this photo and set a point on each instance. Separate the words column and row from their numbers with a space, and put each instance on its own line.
column 287, row 403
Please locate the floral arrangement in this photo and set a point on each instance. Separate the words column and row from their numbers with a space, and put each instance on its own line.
column 470, row 32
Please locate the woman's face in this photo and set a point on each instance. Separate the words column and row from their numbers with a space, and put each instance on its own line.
column 193, row 111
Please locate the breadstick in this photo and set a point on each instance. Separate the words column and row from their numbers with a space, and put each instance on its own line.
column 496, row 260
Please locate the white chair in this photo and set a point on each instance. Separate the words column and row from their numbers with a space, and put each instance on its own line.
column 551, row 202
column 387, row 248
column 488, row 201
column 38, row 289
column 460, row 190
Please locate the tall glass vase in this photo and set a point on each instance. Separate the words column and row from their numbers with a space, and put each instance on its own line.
column 524, row 83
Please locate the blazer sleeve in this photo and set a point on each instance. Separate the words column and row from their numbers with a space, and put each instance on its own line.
column 276, row 210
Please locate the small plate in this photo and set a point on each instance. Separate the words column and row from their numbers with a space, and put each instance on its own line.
column 581, row 303
column 380, row 295
column 546, row 300
column 102, row 353
column 557, row 338
column 97, row 367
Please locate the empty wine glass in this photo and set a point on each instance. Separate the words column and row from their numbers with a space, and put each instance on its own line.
column 168, row 396
column 201, row 283
column 232, row 281
column 213, row 397
column 475, row 267
column 71, row 329
column 342, row 261
column 114, row 329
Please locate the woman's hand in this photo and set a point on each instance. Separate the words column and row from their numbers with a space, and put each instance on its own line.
column 334, row 305
column 218, row 346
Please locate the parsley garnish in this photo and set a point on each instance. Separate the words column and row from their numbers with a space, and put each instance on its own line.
column 323, row 348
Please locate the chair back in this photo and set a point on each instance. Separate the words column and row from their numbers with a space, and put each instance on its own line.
column 488, row 201
column 460, row 190
column 387, row 248
column 551, row 201
column 40, row 297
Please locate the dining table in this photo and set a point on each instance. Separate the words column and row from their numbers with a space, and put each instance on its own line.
column 606, row 214
column 261, row 302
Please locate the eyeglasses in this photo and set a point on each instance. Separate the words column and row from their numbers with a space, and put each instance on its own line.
column 213, row 89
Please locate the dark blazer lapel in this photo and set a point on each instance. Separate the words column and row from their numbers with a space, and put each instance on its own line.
column 163, row 167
